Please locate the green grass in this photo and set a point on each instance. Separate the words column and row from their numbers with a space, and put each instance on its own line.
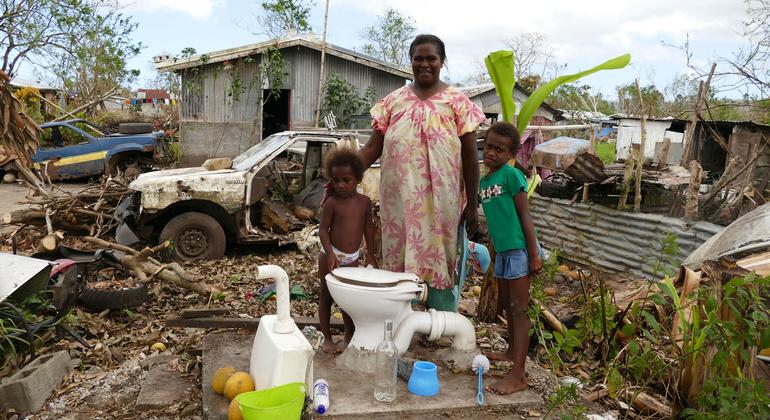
column 606, row 151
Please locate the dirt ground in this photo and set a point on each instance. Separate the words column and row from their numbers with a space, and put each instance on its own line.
column 112, row 367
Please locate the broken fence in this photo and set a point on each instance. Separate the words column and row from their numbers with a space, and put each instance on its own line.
column 613, row 241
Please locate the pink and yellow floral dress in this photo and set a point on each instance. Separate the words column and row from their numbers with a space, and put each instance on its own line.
column 421, row 183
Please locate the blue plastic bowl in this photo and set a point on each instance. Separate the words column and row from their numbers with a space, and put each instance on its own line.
column 424, row 380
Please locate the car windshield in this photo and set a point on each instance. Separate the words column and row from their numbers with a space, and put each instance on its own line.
column 260, row 151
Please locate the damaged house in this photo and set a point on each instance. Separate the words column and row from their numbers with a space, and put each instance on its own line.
column 225, row 105
column 485, row 96
column 714, row 144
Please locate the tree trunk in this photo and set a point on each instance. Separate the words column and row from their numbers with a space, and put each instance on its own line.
column 693, row 192
column 490, row 302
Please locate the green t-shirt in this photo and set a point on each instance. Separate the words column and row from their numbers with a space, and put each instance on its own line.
column 496, row 192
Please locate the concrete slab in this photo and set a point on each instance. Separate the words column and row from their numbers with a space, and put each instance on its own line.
column 228, row 348
column 163, row 388
column 352, row 393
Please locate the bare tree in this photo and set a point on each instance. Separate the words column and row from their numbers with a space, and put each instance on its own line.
column 532, row 55
column 747, row 68
column 389, row 38
column 753, row 63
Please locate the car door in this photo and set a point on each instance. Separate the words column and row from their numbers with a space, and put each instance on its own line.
column 67, row 153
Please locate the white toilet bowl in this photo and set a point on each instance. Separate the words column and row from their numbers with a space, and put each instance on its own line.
column 371, row 296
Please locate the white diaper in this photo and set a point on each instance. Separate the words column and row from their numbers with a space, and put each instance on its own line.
column 343, row 257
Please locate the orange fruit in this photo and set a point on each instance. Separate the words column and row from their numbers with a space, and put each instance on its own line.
column 220, row 377
column 238, row 383
column 234, row 411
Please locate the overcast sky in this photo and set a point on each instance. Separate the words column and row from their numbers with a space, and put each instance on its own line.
column 583, row 33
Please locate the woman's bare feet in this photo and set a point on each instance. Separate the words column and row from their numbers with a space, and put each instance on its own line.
column 501, row 356
column 508, row 385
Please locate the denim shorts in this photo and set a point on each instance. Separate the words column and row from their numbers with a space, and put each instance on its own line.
column 513, row 263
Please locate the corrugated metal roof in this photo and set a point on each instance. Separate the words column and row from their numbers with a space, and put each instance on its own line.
column 471, row 91
column 475, row 90
column 749, row 233
column 742, row 122
column 174, row 63
column 614, row 241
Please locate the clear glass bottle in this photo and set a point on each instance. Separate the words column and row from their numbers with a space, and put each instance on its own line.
column 385, row 366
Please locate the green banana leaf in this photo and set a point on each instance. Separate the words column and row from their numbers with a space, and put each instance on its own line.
column 532, row 103
column 500, row 68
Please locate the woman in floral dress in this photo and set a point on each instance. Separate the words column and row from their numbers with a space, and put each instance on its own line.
column 424, row 134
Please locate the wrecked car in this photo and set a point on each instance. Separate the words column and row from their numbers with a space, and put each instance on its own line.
column 78, row 148
column 265, row 195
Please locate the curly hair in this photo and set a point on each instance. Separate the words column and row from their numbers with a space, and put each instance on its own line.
column 508, row 130
column 344, row 156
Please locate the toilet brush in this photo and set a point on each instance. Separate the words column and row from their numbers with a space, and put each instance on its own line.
column 481, row 366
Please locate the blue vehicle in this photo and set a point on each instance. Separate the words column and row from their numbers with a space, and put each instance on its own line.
column 79, row 149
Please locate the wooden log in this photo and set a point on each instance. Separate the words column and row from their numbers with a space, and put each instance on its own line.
column 693, row 191
column 48, row 243
column 665, row 148
column 642, row 147
column 246, row 323
column 735, row 176
column 203, row 312
column 94, row 214
column 591, row 150
column 690, row 134
column 22, row 216
column 648, row 404
column 625, row 185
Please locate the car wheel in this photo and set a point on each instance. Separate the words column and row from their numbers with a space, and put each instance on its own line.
column 131, row 165
column 194, row 236
column 135, row 128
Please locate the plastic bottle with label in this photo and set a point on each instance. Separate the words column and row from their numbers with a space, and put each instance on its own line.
column 320, row 396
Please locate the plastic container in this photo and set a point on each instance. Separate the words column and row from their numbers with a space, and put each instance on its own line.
column 320, row 396
column 424, row 380
column 283, row 402
column 278, row 359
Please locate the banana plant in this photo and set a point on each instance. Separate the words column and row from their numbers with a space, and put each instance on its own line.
column 500, row 65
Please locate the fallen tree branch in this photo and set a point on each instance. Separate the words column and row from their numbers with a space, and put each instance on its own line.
column 147, row 268
column 716, row 191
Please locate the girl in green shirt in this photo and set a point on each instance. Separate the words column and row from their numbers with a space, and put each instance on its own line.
column 503, row 193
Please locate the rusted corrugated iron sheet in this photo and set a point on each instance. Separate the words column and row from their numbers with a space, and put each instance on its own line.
column 587, row 168
column 613, row 241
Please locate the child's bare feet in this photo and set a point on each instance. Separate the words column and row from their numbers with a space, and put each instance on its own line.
column 501, row 356
column 330, row 347
column 507, row 385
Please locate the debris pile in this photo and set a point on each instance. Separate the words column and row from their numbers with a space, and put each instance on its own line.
column 54, row 211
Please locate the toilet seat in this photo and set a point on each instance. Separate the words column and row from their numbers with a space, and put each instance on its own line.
column 371, row 277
